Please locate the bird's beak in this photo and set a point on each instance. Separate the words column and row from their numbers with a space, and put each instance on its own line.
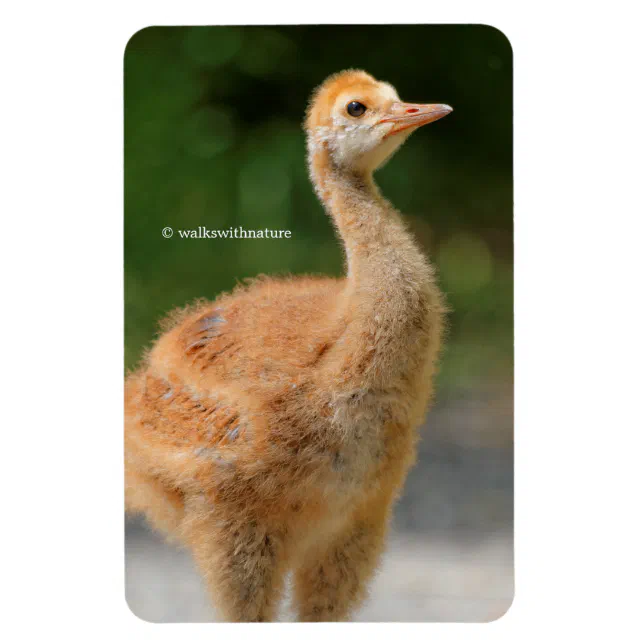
column 406, row 115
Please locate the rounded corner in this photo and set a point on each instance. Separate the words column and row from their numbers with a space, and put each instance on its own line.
column 501, row 33
column 133, row 612
column 133, row 36
column 504, row 612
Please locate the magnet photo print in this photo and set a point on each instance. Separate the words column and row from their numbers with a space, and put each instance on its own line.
column 318, row 323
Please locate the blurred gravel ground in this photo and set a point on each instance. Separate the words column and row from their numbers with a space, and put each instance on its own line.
column 450, row 556
column 418, row 581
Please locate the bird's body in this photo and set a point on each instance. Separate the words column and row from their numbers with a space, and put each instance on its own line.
column 271, row 430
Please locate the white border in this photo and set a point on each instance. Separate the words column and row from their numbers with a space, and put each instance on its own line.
column 578, row 316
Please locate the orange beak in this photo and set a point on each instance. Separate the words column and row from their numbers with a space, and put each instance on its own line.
column 406, row 115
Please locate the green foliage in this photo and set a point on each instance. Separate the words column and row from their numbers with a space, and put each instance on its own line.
column 213, row 138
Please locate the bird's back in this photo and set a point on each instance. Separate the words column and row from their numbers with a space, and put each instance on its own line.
column 225, row 372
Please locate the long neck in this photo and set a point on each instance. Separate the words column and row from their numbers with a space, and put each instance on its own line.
column 389, row 294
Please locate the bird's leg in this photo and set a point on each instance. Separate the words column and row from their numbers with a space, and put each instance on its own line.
column 332, row 581
column 243, row 566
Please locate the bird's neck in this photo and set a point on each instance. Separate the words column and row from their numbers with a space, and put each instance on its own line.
column 389, row 290
column 378, row 247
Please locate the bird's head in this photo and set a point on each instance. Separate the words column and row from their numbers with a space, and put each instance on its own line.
column 362, row 121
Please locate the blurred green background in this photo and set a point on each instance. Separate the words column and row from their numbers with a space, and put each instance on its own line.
column 213, row 138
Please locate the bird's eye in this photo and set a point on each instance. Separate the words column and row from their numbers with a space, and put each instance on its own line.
column 356, row 109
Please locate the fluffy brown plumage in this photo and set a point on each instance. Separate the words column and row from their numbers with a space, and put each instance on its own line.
column 271, row 430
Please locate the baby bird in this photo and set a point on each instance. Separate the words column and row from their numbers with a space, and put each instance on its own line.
column 271, row 430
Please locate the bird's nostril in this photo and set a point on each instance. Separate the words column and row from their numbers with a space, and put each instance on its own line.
column 412, row 110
